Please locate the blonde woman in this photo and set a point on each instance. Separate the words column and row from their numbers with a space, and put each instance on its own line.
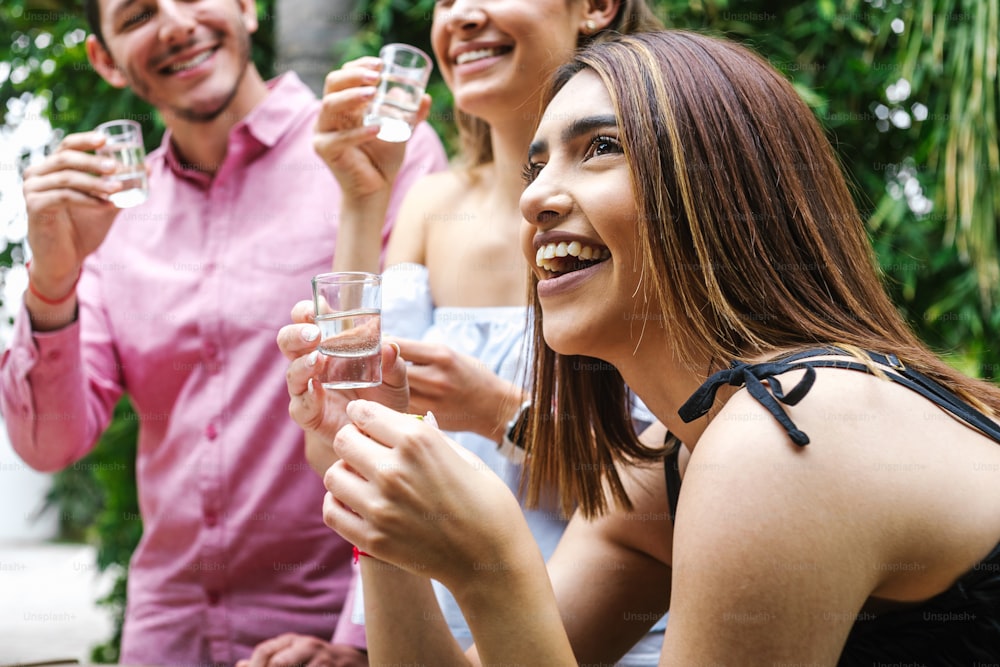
column 456, row 285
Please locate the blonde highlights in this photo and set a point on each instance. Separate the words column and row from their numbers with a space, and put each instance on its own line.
column 749, row 236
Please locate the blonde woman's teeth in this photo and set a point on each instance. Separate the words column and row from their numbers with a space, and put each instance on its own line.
column 478, row 54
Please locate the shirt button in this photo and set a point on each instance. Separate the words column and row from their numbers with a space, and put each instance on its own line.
column 211, row 519
column 54, row 355
column 211, row 350
column 210, row 432
column 213, row 597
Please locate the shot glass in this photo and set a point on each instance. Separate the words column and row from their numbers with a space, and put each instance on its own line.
column 124, row 145
column 405, row 71
column 349, row 316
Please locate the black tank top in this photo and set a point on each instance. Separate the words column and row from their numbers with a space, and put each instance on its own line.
column 959, row 627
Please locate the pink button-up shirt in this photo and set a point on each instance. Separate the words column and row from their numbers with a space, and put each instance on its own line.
column 179, row 308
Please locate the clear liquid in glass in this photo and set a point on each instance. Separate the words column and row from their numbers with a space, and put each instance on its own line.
column 131, row 172
column 352, row 341
column 395, row 107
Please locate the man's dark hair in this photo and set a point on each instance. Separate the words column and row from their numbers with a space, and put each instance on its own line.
column 93, row 10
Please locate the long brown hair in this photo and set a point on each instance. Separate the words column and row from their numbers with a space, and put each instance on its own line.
column 476, row 146
column 749, row 238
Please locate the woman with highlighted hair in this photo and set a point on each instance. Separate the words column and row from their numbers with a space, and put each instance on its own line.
column 836, row 498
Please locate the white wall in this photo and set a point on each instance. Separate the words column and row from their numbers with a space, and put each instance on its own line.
column 22, row 493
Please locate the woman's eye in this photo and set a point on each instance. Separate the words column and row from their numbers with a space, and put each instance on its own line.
column 529, row 172
column 603, row 145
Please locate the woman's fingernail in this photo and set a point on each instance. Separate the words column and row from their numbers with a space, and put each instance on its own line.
column 311, row 359
column 395, row 346
column 309, row 386
column 310, row 332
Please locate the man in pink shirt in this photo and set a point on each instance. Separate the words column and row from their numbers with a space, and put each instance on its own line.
column 177, row 302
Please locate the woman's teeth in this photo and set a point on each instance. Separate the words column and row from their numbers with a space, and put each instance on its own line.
column 478, row 54
column 549, row 256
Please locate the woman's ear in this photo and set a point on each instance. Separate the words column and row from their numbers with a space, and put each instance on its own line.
column 103, row 63
column 598, row 15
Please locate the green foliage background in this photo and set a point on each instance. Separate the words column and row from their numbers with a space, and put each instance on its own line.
column 928, row 184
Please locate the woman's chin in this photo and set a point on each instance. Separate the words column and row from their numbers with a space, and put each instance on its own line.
column 566, row 340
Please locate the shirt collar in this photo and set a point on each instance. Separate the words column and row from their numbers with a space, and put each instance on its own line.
column 266, row 123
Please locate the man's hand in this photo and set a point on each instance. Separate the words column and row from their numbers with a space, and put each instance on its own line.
column 69, row 213
column 290, row 650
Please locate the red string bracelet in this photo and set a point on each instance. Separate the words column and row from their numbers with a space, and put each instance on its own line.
column 44, row 299
column 358, row 553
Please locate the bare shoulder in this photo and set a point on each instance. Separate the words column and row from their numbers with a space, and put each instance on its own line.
column 771, row 557
column 788, row 543
column 439, row 190
column 428, row 198
column 875, row 449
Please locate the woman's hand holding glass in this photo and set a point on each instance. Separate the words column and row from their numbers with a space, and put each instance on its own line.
column 406, row 494
column 321, row 412
column 363, row 165
column 461, row 391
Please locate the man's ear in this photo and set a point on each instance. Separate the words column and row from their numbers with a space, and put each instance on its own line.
column 104, row 63
column 249, row 13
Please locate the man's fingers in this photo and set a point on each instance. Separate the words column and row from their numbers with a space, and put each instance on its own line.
column 262, row 652
column 40, row 201
column 299, row 653
column 82, row 141
column 66, row 183
column 71, row 160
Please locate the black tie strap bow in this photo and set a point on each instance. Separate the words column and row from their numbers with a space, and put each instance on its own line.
column 741, row 374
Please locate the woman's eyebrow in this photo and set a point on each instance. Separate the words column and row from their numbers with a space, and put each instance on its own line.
column 578, row 127
column 587, row 124
column 537, row 146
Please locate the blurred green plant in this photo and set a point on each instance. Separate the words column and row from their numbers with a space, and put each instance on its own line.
column 97, row 503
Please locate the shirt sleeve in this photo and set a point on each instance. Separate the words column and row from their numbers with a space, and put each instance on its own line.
column 54, row 398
